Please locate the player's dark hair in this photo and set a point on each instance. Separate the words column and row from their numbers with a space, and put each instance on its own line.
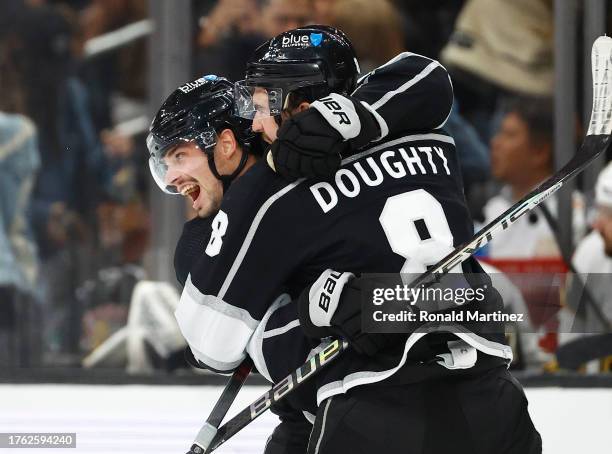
column 295, row 98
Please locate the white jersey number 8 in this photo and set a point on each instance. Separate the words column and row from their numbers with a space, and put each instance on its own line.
column 219, row 227
column 417, row 229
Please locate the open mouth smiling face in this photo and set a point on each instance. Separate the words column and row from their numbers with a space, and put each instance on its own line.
column 191, row 190
column 189, row 173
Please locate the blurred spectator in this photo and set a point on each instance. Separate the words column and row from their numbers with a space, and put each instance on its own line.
column 473, row 155
column 522, row 158
column 323, row 11
column 594, row 255
column 74, row 175
column 19, row 162
column 117, row 83
column 225, row 18
column 374, row 27
column 105, row 74
column 74, row 170
column 233, row 29
column 278, row 16
column 227, row 37
column 499, row 48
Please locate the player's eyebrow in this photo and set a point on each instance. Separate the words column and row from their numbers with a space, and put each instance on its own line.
column 171, row 152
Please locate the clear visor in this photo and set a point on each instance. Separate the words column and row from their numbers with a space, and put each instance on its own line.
column 163, row 157
column 253, row 100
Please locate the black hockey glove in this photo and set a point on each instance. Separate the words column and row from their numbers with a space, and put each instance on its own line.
column 312, row 143
column 331, row 306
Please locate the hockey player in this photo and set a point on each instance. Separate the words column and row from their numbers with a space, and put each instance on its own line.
column 397, row 205
column 197, row 148
column 408, row 93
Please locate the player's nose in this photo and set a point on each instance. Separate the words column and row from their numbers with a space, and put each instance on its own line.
column 257, row 125
column 172, row 177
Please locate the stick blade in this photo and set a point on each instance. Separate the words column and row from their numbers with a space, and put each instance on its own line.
column 601, row 63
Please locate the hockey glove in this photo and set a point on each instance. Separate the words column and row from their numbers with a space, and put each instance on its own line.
column 331, row 306
column 312, row 143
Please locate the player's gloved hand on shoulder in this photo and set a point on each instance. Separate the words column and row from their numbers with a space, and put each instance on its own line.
column 307, row 146
column 312, row 143
column 331, row 306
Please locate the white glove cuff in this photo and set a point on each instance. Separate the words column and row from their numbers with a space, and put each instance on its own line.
column 340, row 113
column 324, row 296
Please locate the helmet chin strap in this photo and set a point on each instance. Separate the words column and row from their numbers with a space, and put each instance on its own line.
column 226, row 180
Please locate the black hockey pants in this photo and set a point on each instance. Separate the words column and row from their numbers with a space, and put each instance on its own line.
column 482, row 414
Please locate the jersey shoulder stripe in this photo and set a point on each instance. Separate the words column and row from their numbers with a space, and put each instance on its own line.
column 410, row 92
column 251, row 233
column 391, row 143
column 420, row 76
column 402, row 56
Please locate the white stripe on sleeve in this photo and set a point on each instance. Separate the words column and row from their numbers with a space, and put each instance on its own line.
column 255, row 345
column 382, row 124
column 428, row 69
column 216, row 331
column 251, row 233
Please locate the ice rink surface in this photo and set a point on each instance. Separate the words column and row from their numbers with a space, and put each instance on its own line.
column 137, row 419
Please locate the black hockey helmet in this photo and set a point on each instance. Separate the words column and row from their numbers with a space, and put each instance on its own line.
column 316, row 59
column 197, row 111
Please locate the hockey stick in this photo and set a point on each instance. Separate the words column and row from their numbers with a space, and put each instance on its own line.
column 209, row 429
column 567, row 258
column 596, row 142
column 277, row 392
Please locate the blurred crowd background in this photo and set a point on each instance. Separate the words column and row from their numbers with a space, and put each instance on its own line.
column 75, row 104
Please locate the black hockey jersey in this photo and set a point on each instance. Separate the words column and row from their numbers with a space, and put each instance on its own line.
column 408, row 93
column 190, row 246
column 396, row 206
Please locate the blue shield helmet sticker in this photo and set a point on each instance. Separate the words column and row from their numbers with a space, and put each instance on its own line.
column 316, row 38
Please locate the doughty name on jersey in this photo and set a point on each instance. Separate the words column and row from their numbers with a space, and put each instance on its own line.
column 407, row 160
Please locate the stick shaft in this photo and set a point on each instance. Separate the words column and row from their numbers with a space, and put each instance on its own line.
column 230, row 392
column 228, row 395
column 278, row 391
